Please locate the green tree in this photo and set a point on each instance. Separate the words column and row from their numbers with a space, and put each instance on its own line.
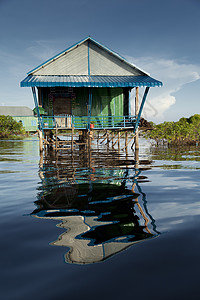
column 186, row 131
column 8, row 127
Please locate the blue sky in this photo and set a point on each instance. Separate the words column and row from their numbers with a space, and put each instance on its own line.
column 161, row 37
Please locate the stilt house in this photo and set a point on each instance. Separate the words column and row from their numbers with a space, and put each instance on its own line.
column 87, row 86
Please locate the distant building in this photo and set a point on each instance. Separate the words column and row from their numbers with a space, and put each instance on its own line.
column 16, row 111
column 22, row 114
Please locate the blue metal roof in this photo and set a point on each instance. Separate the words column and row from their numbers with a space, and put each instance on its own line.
column 89, row 81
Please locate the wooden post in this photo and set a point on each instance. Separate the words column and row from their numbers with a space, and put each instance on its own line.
column 136, row 114
column 136, row 101
column 112, row 138
column 126, row 143
column 104, row 136
column 56, row 138
column 45, row 140
column 72, row 137
column 40, row 140
column 51, row 139
column 41, row 174
column 126, row 139
column 137, row 141
column 108, row 140
column 118, row 140
column 136, row 152
column 136, row 145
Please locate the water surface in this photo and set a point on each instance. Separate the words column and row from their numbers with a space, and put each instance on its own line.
column 96, row 225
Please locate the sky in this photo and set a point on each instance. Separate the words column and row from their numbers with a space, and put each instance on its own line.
column 160, row 37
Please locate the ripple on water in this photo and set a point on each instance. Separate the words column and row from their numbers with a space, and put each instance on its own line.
column 70, row 210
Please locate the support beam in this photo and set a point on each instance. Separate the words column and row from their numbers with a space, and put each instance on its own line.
column 89, row 107
column 108, row 139
column 37, row 107
column 112, row 137
column 72, row 140
column 118, row 140
column 104, row 137
column 129, row 103
column 141, row 108
column 126, row 139
column 136, row 101
column 40, row 140
column 129, row 143
column 56, row 137
column 101, row 137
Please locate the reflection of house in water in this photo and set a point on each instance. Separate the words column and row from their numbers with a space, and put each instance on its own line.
column 100, row 215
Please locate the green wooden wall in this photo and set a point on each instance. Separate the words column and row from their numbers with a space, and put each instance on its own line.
column 105, row 101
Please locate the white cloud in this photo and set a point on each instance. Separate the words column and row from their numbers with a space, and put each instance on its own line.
column 42, row 50
column 174, row 76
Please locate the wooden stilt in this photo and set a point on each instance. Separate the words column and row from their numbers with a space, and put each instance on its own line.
column 136, row 139
column 136, row 114
column 72, row 144
column 104, row 137
column 51, row 140
column 90, row 135
column 126, row 139
column 45, row 140
column 136, row 101
column 41, row 174
column 136, row 153
column 40, row 140
column 56, row 138
column 118, row 140
column 136, row 146
column 129, row 143
column 112, row 138
column 126, row 153
column 107, row 135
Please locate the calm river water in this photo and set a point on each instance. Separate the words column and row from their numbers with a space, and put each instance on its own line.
column 97, row 226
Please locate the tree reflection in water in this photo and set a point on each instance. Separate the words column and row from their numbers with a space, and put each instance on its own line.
column 100, row 213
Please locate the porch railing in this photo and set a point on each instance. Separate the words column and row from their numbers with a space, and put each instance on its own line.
column 85, row 122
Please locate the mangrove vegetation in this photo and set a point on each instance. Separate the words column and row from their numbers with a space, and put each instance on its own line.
column 186, row 131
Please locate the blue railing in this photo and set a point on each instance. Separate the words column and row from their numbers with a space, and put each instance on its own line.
column 85, row 122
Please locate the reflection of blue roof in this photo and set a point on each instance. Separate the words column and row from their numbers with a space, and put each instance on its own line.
column 89, row 81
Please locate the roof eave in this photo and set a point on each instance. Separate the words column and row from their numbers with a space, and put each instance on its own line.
column 93, row 81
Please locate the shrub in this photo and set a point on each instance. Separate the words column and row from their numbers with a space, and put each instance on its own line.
column 186, row 131
column 8, row 127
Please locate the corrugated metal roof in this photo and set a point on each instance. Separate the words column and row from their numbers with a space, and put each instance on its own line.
column 57, row 55
column 87, row 57
column 89, row 81
column 90, row 64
